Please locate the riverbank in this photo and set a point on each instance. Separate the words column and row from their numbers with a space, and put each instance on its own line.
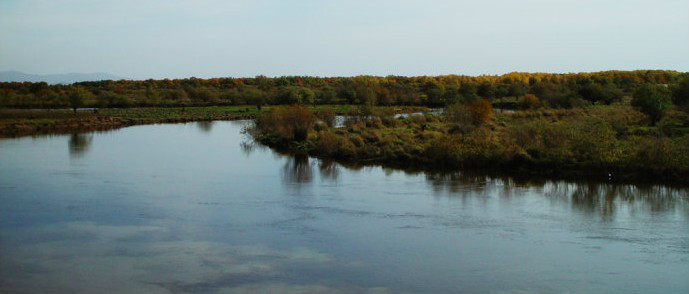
column 600, row 142
column 16, row 123
column 28, row 122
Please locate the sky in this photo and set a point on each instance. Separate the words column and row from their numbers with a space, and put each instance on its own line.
column 141, row 39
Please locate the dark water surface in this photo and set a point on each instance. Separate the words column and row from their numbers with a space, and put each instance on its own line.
column 189, row 208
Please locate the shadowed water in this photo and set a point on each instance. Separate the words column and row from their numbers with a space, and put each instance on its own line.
column 195, row 208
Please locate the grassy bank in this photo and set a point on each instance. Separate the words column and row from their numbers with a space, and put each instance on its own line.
column 606, row 142
column 14, row 123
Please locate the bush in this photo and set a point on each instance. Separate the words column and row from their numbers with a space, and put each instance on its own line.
column 529, row 101
column 287, row 123
column 476, row 113
column 327, row 116
column 481, row 112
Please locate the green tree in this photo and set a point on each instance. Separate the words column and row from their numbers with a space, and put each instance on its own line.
column 598, row 93
column 327, row 95
column 469, row 92
column 652, row 100
column 680, row 95
column 434, row 91
column 296, row 95
column 487, row 90
column 111, row 99
column 77, row 97
column 516, row 89
column 253, row 96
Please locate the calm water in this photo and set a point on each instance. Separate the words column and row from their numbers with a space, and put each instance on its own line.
column 189, row 208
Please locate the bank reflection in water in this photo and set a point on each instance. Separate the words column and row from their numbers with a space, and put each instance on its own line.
column 329, row 170
column 205, row 126
column 297, row 170
column 593, row 198
column 589, row 197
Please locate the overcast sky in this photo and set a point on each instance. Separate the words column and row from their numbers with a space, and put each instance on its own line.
column 207, row 38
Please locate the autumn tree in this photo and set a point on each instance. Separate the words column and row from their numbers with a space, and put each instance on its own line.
column 528, row 101
column 288, row 123
column 476, row 113
column 481, row 112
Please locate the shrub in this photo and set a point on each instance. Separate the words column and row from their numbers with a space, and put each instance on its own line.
column 458, row 113
column 476, row 113
column 481, row 112
column 327, row 116
column 291, row 123
column 327, row 143
column 529, row 101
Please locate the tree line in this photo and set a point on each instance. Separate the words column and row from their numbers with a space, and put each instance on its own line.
column 528, row 90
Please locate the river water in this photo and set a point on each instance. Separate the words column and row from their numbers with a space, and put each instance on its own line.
column 194, row 208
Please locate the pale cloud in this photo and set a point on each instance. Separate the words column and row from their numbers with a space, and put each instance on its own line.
column 86, row 257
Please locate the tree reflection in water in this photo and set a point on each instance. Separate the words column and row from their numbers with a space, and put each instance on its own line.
column 297, row 170
column 606, row 199
column 329, row 170
column 205, row 126
column 79, row 144
column 588, row 197
column 248, row 146
column 594, row 198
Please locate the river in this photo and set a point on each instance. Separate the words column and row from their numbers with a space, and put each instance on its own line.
column 195, row 208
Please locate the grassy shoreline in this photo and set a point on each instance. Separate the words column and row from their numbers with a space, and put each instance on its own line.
column 18, row 123
column 27, row 122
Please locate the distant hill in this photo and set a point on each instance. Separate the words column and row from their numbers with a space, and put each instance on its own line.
column 67, row 78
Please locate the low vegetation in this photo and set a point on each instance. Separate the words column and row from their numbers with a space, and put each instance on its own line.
column 605, row 141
